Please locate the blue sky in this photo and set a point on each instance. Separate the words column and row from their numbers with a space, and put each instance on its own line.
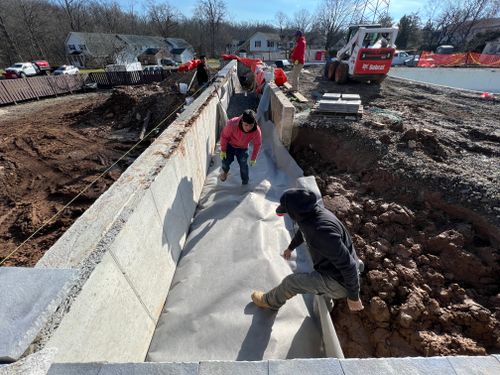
column 258, row 10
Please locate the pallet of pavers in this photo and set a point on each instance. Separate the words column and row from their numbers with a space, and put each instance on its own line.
column 340, row 105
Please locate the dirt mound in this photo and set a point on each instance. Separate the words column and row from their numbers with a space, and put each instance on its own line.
column 52, row 149
column 416, row 182
column 430, row 285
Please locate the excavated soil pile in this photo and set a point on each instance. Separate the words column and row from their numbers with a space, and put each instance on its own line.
column 416, row 182
column 50, row 150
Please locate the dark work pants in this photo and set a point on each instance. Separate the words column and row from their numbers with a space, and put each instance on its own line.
column 241, row 155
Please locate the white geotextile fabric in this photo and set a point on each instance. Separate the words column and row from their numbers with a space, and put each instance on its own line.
column 234, row 246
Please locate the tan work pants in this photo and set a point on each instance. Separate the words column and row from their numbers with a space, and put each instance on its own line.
column 294, row 81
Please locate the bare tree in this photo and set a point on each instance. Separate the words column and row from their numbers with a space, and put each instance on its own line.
column 30, row 11
column 212, row 12
column 13, row 53
column 454, row 21
column 302, row 20
column 164, row 17
column 333, row 17
column 74, row 10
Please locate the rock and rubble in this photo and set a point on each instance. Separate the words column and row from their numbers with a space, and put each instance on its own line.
column 416, row 182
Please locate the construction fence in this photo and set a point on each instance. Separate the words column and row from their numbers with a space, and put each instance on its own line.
column 22, row 89
column 431, row 60
column 18, row 90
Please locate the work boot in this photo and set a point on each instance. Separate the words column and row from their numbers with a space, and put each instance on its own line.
column 223, row 176
column 260, row 301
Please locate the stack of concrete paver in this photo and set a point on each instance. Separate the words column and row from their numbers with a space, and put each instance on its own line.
column 339, row 103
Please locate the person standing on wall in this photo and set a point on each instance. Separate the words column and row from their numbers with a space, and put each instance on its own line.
column 202, row 73
column 298, row 58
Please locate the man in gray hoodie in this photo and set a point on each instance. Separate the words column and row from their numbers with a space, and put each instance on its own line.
column 336, row 265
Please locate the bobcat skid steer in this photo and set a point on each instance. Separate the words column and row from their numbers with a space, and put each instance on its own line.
column 367, row 56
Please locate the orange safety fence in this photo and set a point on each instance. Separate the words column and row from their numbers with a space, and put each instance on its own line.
column 430, row 59
column 189, row 65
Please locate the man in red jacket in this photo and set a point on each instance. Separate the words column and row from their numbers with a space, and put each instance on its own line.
column 234, row 141
column 298, row 58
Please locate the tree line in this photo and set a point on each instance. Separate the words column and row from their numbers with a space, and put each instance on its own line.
column 37, row 29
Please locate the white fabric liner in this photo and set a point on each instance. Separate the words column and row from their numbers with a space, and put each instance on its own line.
column 234, row 246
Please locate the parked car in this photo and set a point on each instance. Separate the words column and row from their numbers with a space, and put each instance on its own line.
column 66, row 70
column 169, row 62
column 152, row 69
column 412, row 61
column 445, row 49
column 27, row 69
column 400, row 57
column 283, row 64
column 130, row 67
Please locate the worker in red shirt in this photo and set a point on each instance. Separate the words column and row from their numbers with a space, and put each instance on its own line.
column 298, row 58
column 234, row 141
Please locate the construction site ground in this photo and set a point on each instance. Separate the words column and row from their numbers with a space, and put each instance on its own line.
column 51, row 149
column 416, row 180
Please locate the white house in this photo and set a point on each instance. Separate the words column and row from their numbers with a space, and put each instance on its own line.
column 264, row 42
column 99, row 49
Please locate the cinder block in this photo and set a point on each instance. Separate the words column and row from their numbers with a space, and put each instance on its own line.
column 398, row 366
column 29, row 296
column 464, row 365
column 331, row 96
column 330, row 366
column 233, row 368
column 149, row 368
column 75, row 369
column 351, row 97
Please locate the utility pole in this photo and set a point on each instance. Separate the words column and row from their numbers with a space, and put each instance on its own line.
column 369, row 11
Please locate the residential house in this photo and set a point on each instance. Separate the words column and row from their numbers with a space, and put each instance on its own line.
column 270, row 47
column 94, row 50
column 154, row 56
column 181, row 50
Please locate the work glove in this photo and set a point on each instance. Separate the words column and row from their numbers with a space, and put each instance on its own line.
column 223, row 155
column 253, row 162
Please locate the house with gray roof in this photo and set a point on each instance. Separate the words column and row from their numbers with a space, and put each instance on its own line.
column 95, row 50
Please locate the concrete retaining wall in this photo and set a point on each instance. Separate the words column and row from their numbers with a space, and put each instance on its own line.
column 484, row 80
column 282, row 113
column 126, row 245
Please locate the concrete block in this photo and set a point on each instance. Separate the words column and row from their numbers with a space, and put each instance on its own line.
column 398, row 366
column 330, row 366
column 342, row 106
column 351, row 97
column 331, row 96
column 464, row 365
column 150, row 369
column 75, row 369
column 138, row 250
column 29, row 296
column 34, row 364
column 107, row 322
column 233, row 368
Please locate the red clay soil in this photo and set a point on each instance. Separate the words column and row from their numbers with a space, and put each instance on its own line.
column 430, row 246
column 51, row 149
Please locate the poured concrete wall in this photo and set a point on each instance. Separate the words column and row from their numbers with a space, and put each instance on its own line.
column 484, row 79
column 282, row 113
column 126, row 245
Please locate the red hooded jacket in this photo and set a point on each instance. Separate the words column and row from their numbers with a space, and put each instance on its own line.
column 236, row 137
column 299, row 51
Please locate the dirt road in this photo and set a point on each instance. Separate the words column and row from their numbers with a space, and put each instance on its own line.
column 416, row 182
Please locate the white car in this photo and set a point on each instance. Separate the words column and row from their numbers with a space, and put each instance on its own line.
column 20, row 70
column 400, row 57
column 66, row 70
